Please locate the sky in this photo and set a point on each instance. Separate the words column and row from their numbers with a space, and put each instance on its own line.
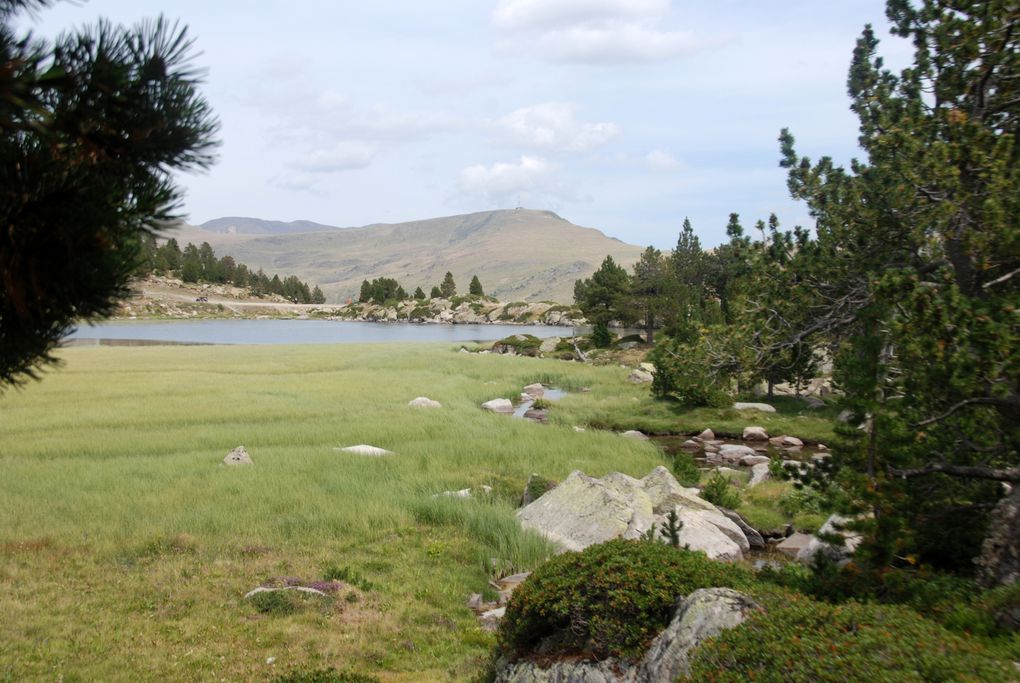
column 621, row 115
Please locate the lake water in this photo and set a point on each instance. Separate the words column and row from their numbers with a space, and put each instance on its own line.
column 302, row 332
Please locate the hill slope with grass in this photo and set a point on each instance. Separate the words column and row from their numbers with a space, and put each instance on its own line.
column 519, row 255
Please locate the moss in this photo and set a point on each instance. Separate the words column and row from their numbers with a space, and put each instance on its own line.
column 524, row 344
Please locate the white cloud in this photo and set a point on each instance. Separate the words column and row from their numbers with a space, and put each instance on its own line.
column 616, row 42
column 544, row 14
column 343, row 156
column 297, row 182
column 533, row 180
column 553, row 126
column 658, row 160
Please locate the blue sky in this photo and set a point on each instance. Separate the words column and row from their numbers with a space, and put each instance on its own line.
column 622, row 115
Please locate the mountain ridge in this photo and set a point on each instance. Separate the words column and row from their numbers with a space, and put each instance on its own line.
column 518, row 254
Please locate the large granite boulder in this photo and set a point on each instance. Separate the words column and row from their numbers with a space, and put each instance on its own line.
column 999, row 562
column 499, row 405
column 238, row 456
column 835, row 525
column 701, row 615
column 584, row 510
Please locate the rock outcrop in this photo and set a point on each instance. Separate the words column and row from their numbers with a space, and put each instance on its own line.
column 699, row 616
column 583, row 510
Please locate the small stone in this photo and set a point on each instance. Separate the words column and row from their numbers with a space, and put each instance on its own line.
column 640, row 377
column 634, row 434
column 490, row 619
column 707, row 435
column 763, row 407
column 690, row 446
column 424, row 402
column 499, row 405
column 238, row 456
column 752, row 460
column 754, row 434
column 759, row 474
column 794, row 544
column 475, row 601
column 534, row 390
column 366, row 450
column 578, row 429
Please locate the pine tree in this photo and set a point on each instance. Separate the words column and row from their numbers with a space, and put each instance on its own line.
column 419, row 294
column 475, row 288
column 366, row 292
column 94, row 128
column 603, row 298
column 317, row 296
column 448, row 288
column 435, row 293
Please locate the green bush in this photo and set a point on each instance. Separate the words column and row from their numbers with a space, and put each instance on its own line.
column 276, row 603
column 684, row 373
column 636, row 338
column 798, row 640
column 719, row 491
column 610, row 599
column 524, row 344
column 685, row 469
column 334, row 572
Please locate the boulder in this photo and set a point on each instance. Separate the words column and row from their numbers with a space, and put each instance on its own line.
column 759, row 473
column 813, row 402
column 634, row 434
column 752, row 460
column 424, row 402
column 502, row 406
column 762, row 407
column 238, row 456
column 534, row 415
column 731, row 452
column 647, row 367
column 640, row 377
column 792, row 546
column 583, row 510
column 786, row 441
column 549, row 345
column 754, row 434
column 690, row 446
column 999, row 561
column 534, row 390
column 699, row 616
column 836, row 553
column 490, row 619
column 754, row 539
column 365, row 449
column 707, row 435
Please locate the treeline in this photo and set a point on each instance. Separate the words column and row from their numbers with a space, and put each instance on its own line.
column 386, row 289
column 713, row 309
column 200, row 264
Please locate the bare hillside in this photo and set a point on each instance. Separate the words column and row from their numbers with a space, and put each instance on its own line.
column 519, row 255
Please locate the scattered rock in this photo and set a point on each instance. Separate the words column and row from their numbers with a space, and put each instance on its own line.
column 786, row 441
column 820, row 457
column 540, row 416
column 752, row 460
column 999, row 562
column 502, row 406
column 490, row 619
column 731, row 452
column 640, row 377
column 754, row 434
column 534, row 390
column 710, row 448
column 759, row 474
column 463, row 493
column 475, row 601
column 763, row 407
column 549, row 345
column 238, row 456
column 844, row 416
column 690, row 446
column 424, row 402
column 707, row 435
column 794, row 544
column 365, row 449
column 578, row 429
column 647, row 367
column 813, row 402
column 299, row 589
column 634, row 434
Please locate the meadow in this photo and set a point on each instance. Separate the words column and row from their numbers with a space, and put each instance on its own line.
column 126, row 547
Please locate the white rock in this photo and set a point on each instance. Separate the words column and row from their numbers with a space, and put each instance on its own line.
column 707, row 435
column 701, row 532
column 365, row 449
column 690, row 445
column 499, row 405
column 424, row 402
column 647, row 367
column 752, row 460
column 578, row 429
column 238, row 456
column 755, row 434
column 763, row 407
column 731, row 452
column 634, row 434
column 534, row 390
column 666, row 493
column 640, row 377
column 759, row 474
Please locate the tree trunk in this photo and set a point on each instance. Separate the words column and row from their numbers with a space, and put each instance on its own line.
column 650, row 328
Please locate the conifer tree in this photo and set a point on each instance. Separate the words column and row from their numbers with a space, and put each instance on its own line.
column 448, row 288
column 475, row 288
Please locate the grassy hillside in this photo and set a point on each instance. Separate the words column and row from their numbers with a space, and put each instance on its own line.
column 518, row 255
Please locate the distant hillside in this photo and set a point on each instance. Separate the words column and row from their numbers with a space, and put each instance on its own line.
column 519, row 255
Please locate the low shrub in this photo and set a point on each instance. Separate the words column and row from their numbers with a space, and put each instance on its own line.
column 610, row 599
column 276, row 603
column 334, row 572
column 799, row 640
column 719, row 491
column 685, row 469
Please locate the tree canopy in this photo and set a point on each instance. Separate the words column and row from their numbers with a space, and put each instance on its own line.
column 92, row 127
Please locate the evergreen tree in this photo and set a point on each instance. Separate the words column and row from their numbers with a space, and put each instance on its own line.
column 93, row 128
column 653, row 291
column 475, row 288
column 603, row 298
column 366, row 292
column 448, row 288
column 435, row 293
column 317, row 296
column 400, row 294
column 913, row 278
column 419, row 294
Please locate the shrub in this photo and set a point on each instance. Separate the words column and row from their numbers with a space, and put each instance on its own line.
column 276, row 603
column 798, row 640
column 685, row 469
column 334, row 572
column 610, row 599
column 719, row 491
column 685, row 373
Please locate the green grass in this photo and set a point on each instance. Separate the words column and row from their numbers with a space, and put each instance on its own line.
column 125, row 546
